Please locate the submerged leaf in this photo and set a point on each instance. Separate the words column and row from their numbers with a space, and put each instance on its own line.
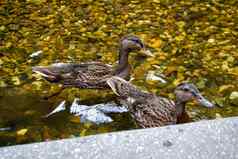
column 75, row 119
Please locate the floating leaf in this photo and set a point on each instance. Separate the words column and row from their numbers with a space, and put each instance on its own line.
column 156, row 43
column 22, row 132
column 83, row 132
column 225, row 87
column 220, row 101
column 16, row 80
column 218, row 116
column 234, row 98
column 3, row 84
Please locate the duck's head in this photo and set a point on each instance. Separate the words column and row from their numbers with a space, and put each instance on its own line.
column 186, row 92
column 133, row 43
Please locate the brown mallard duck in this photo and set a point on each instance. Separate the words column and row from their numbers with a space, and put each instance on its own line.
column 150, row 110
column 93, row 74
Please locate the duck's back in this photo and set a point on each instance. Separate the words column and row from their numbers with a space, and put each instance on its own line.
column 154, row 112
column 147, row 109
column 83, row 75
column 89, row 75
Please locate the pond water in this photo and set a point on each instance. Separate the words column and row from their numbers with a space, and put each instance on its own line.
column 192, row 41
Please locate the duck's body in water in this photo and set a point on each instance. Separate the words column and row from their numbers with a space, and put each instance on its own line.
column 93, row 74
column 150, row 110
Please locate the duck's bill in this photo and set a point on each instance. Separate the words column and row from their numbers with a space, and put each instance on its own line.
column 45, row 72
column 204, row 102
column 113, row 86
column 147, row 52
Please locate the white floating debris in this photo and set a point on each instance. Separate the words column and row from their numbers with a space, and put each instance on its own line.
column 89, row 114
column 95, row 116
column 95, row 113
column 105, row 108
column 5, row 129
column 111, row 108
column 60, row 108
column 76, row 108
column 36, row 54
column 152, row 77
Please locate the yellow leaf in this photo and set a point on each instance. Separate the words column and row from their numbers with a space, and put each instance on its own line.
column 75, row 119
column 87, row 125
column 8, row 44
column 218, row 116
column 83, row 132
column 22, row 132
column 3, row 84
column 162, row 57
column 156, row 43
column 170, row 69
column 224, row 87
column 179, row 79
column 181, row 24
column 30, row 112
column 234, row 71
column 196, row 73
column 16, row 80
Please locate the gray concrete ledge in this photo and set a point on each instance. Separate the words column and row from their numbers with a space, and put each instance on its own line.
column 215, row 139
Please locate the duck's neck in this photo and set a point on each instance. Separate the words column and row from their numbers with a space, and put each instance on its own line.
column 123, row 61
column 180, row 107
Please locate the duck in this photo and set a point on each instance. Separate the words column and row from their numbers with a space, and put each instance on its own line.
column 93, row 75
column 149, row 110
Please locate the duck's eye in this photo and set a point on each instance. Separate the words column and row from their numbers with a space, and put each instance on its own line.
column 135, row 40
column 186, row 89
column 121, row 85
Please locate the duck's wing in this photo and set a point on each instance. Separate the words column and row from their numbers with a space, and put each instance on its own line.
column 154, row 112
column 92, row 71
column 90, row 75
column 83, row 75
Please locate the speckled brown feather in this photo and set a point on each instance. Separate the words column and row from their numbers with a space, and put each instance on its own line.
column 89, row 75
column 83, row 75
column 147, row 109
column 153, row 112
